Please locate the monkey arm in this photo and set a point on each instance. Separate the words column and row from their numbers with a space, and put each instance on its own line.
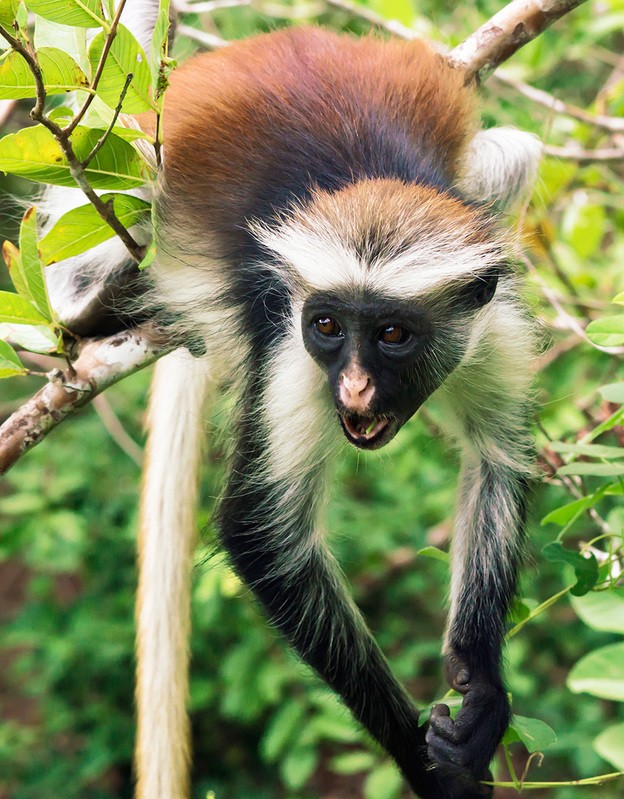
column 267, row 523
column 488, row 540
column 489, row 397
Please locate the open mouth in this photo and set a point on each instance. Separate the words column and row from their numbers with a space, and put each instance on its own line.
column 364, row 431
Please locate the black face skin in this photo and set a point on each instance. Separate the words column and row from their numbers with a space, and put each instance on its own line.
column 406, row 348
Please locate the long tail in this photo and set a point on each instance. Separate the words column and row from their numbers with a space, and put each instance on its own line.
column 166, row 540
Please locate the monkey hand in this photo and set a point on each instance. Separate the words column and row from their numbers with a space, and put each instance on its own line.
column 463, row 747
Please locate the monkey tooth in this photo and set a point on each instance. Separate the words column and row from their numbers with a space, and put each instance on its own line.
column 363, row 429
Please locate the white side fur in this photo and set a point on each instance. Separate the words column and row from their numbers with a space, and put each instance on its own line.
column 167, row 537
column 500, row 165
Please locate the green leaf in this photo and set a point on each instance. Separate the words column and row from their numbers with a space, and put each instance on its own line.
column 10, row 364
column 8, row 10
column 352, row 762
column 32, row 266
column 79, row 13
column 610, row 745
column 158, row 50
column 34, row 153
column 602, row 610
column 535, row 734
column 566, row 513
column 69, row 39
column 585, row 568
column 384, row 782
column 15, row 309
column 83, row 228
column 607, row 332
column 149, row 255
column 298, row 766
column 590, row 450
column 593, row 469
column 283, row 731
column 613, row 392
column 601, row 673
column 60, row 74
column 34, row 338
column 435, row 553
column 125, row 56
column 618, row 299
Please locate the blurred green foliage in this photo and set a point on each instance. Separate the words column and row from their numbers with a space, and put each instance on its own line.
column 263, row 725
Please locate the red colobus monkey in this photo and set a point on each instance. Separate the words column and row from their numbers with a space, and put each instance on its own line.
column 329, row 246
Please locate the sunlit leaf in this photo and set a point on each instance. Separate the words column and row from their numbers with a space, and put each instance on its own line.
column 618, row 299
column 69, row 39
column 283, row 730
column 535, row 734
column 435, row 553
column 60, row 74
column 35, row 338
column 607, row 332
column 298, row 765
column 10, row 364
column 8, row 10
column 602, row 610
column 589, row 450
column 82, row 228
column 33, row 153
column 81, row 13
column 14, row 308
column 613, row 392
column 31, row 264
column 125, row 57
column 600, row 673
column 610, row 745
column 593, row 469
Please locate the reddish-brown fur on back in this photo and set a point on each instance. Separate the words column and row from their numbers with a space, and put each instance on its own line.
column 294, row 105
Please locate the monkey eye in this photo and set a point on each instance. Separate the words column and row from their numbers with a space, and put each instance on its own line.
column 394, row 334
column 327, row 326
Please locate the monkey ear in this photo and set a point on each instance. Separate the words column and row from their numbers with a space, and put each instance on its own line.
column 499, row 165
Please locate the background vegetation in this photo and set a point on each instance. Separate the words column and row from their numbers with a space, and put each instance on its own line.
column 263, row 725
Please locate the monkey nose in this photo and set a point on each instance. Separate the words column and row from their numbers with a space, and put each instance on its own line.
column 356, row 392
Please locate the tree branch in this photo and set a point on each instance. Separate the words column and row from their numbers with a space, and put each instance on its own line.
column 505, row 33
column 100, row 364
column 610, row 124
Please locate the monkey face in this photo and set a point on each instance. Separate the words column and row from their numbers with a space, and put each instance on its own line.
column 385, row 357
column 379, row 360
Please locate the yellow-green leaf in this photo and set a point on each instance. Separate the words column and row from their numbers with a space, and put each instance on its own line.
column 608, row 331
column 8, row 10
column 82, row 228
column 610, row 745
column 34, row 153
column 80, row 13
column 17, row 310
column 60, row 74
column 31, row 264
column 10, row 364
column 125, row 57
column 35, row 338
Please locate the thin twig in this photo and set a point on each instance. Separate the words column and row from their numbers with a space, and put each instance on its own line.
column 574, row 153
column 373, row 18
column 99, row 70
column 117, row 431
column 611, row 124
column 209, row 40
column 506, row 32
column 209, row 6
column 97, row 146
